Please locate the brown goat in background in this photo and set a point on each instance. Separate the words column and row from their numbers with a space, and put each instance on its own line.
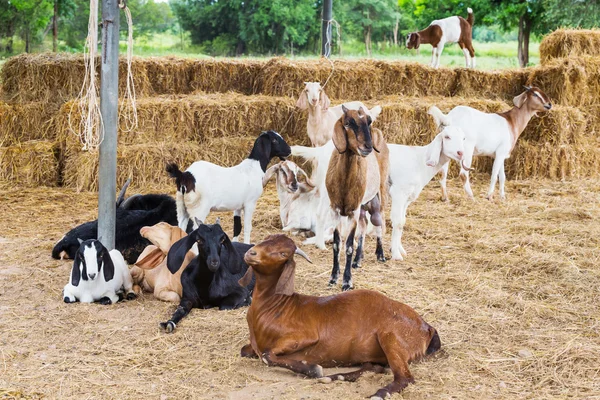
column 306, row 333
column 357, row 181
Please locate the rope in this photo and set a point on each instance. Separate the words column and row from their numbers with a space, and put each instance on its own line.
column 328, row 43
column 128, row 114
column 90, row 129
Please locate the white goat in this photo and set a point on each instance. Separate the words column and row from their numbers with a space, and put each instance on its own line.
column 104, row 282
column 321, row 117
column 491, row 134
column 411, row 168
column 206, row 187
column 298, row 201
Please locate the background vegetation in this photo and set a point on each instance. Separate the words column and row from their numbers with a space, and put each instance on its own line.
column 292, row 27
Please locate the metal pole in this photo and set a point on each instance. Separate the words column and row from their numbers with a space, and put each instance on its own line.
column 326, row 31
column 109, row 93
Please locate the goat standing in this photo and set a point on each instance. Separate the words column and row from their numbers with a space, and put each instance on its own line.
column 356, row 182
column 206, row 187
column 306, row 333
column 491, row 134
column 448, row 30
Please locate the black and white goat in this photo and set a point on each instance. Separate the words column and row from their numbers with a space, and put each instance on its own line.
column 133, row 213
column 206, row 187
column 211, row 278
column 98, row 275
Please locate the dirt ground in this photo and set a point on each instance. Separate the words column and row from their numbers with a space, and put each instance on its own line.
column 512, row 287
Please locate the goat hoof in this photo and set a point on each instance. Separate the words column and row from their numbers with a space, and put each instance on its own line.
column 332, row 283
column 316, row 372
column 68, row 300
column 346, row 287
column 381, row 258
column 131, row 296
column 325, row 379
column 168, row 326
column 105, row 301
column 356, row 265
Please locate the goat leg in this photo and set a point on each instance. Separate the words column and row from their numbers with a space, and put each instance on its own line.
column 300, row 367
column 354, row 375
column 248, row 352
column 347, row 284
column 398, row 361
column 237, row 299
column 362, row 230
column 182, row 310
column 336, row 258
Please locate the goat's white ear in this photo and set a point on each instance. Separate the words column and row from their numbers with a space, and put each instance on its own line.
column 269, row 174
column 520, row 100
column 432, row 155
column 218, row 221
column 79, row 240
column 302, row 102
column 324, row 101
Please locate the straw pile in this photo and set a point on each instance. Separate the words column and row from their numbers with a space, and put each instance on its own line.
column 502, row 85
column 145, row 163
column 567, row 43
column 573, row 81
column 30, row 163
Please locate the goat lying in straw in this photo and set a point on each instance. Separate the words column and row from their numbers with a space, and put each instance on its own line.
column 356, row 181
column 150, row 271
column 306, row 333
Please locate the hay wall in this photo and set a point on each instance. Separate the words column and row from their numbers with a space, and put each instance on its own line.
column 566, row 43
column 30, row 163
column 23, row 122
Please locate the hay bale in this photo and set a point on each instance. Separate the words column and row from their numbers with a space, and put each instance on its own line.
column 24, row 122
column 145, row 163
column 198, row 118
column 567, row 43
column 31, row 163
column 501, row 85
column 572, row 82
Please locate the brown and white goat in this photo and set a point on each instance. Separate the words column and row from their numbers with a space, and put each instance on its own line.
column 491, row 134
column 150, row 271
column 448, row 30
column 306, row 333
column 356, row 182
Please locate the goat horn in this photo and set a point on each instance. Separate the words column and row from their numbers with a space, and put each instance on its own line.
column 527, row 87
column 122, row 192
column 462, row 164
column 302, row 254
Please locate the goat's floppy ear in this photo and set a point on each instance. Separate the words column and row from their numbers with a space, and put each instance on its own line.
column 432, row 155
column 302, row 102
column 309, row 185
column 79, row 240
column 520, row 100
column 417, row 41
column 247, row 278
column 340, row 139
column 150, row 258
column 108, row 268
column 324, row 100
column 269, row 174
column 285, row 284
column 75, row 272
column 178, row 251
column 378, row 140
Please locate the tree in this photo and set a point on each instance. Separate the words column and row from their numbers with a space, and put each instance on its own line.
column 33, row 16
column 574, row 13
column 62, row 8
column 375, row 18
column 8, row 23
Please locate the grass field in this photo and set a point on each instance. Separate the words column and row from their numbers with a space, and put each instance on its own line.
column 511, row 287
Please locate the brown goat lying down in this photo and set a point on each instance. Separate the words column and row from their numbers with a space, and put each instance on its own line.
column 150, row 271
column 306, row 333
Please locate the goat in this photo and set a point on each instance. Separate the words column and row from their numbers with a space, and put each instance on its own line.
column 321, row 117
column 211, row 278
column 206, row 187
column 308, row 333
column 356, row 182
column 491, row 134
column 98, row 275
column 131, row 215
column 448, row 30
column 150, row 272
column 298, row 201
column 411, row 168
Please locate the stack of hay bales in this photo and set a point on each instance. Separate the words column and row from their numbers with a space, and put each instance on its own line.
column 214, row 109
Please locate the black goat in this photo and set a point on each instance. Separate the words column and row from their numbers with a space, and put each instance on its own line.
column 132, row 214
column 211, row 278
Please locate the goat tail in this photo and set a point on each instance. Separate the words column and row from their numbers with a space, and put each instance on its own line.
column 438, row 116
column 435, row 343
column 308, row 153
column 470, row 16
column 173, row 170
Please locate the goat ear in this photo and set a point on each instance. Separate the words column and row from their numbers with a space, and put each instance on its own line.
column 324, row 100
column 79, row 240
column 75, row 272
column 176, row 234
column 218, row 221
column 302, row 102
column 247, row 278
column 108, row 268
column 378, row 140
column 432, row 155
column 308, row 183
column 520, row 100
column 177, row 252
column 285, row 284
column 269, row 174
column 150, row 258
column 340, row 139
